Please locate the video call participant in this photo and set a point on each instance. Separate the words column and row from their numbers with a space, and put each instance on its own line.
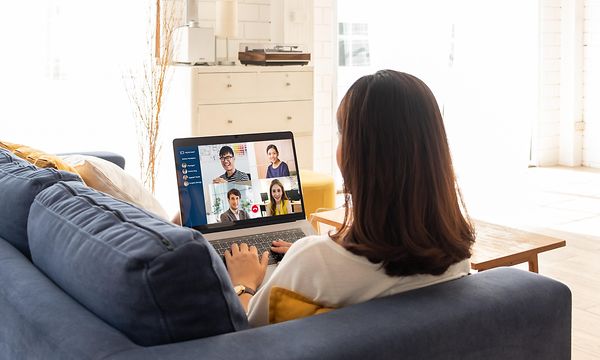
column 277, row 168
column 234, row 213
column 407, row 227
column 279, row 203
column 228, row 163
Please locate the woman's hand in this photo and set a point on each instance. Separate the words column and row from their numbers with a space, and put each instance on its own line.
column 245, row 267
column 280, row 246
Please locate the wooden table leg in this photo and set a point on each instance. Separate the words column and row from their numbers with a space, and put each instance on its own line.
column 533, row 264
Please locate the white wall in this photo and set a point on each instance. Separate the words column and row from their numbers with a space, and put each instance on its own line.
column 482, row 70
column 568, row 132
column 571, row 84
column 62, row 80
column 324, row 63
column 254, row 23
column 591, row 83
column 546, row 134
column 491, row 93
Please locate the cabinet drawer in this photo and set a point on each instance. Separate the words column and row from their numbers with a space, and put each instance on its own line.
column 224, row 88
column 285, row 86
column 295, row 116
column 221, row 88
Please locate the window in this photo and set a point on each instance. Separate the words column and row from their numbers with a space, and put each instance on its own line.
column 354, row 44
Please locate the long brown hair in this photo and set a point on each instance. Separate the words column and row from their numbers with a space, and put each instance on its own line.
column 407, row 210
column 272, row 204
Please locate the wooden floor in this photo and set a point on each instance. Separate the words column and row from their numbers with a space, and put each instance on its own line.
column 556, row 201
column 564, row 203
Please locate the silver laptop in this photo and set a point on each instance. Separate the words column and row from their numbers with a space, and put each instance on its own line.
column 229, row 191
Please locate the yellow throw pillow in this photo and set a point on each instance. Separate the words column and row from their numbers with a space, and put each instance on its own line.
column 37, row 157
column 9, row 146
column 287, row 305
column 104, row 176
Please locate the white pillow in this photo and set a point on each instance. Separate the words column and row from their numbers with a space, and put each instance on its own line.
column 102, row 175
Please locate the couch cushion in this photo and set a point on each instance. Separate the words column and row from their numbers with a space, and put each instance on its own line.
column 20, row 182
column 154, row 281
column 109, row 178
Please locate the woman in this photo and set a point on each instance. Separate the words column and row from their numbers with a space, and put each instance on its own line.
column 279, row 203
column 405, row 228
column 277, row 168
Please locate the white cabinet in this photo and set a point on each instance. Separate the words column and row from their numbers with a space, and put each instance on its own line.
column 247, row 99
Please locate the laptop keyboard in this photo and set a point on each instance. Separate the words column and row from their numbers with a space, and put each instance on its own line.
column 261, row 241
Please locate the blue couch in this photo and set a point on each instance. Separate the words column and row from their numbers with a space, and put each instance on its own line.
column 61, row 298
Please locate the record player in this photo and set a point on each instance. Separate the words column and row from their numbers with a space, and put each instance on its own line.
column 272, row 54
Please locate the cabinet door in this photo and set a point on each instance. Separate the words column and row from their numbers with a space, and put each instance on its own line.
column 295, row 116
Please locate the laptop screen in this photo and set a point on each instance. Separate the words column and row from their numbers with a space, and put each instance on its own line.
column 238, row 181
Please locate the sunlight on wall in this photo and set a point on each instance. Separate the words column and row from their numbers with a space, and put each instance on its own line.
column 63, row 86
column 479, row 58
column 63, row 64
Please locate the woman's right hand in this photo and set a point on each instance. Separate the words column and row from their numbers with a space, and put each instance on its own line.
column 280, row 246
column 244, row 265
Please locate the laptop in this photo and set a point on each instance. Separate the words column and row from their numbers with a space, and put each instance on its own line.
column 228, row 192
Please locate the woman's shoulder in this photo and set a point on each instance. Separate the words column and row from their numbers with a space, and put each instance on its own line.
column 314, row 240
column 314, row 244
column 311, row 242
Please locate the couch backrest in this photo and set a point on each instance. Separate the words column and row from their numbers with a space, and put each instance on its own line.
column 20, row 182
column 154, row 281
column 498, row 314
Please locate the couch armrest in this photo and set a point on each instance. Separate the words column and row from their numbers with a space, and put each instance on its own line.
column 106, row 155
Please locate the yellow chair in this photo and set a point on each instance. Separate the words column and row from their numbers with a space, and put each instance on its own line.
column 318, row 190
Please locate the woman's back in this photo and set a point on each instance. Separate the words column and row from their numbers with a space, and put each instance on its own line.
column 320, row 269
column 405, row 225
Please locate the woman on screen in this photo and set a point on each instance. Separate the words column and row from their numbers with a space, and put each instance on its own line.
column 279, row 203
column 405, row 225
column 277, row 168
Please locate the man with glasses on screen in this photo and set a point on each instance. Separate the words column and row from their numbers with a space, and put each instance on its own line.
column 231, row 173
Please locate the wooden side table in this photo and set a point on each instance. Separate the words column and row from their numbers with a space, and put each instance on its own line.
column 495, row 245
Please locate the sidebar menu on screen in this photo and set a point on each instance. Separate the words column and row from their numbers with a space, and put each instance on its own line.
column 189, row 180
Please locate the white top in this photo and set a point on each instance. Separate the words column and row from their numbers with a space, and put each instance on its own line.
column 320, row 269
